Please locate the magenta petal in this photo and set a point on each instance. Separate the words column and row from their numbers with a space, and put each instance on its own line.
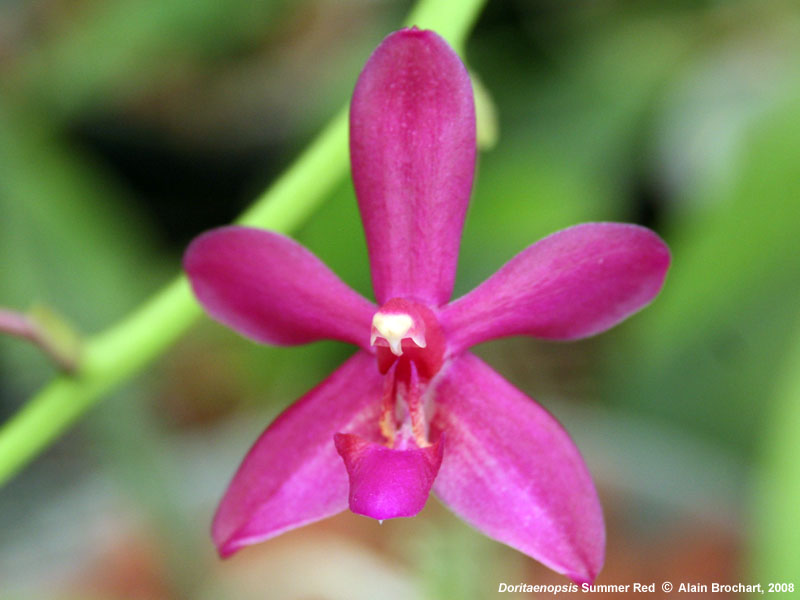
column 292, row 475
column 512, row 472
column 271, row 289
column 574, row 283
column 412, row 149
column 386, row 483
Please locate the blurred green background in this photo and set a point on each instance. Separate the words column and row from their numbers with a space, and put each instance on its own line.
column 127, row 127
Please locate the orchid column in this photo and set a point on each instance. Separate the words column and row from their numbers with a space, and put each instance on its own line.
column 413, row 410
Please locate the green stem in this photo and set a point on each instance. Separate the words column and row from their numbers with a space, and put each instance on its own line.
column 45, row 330
column 16, row 324
column 454, row 26
column 113, row 356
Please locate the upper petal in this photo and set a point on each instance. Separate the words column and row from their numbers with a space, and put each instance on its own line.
column 412, row 148
column 574, row 283
column 292, row 475
column 271, row 289
column 511, row 471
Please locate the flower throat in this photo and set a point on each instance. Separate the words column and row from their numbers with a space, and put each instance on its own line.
column 410, row 352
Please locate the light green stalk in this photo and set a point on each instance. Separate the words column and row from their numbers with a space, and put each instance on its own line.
column 112, row 356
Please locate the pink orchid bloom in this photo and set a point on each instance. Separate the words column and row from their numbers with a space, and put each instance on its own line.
column 412, row 410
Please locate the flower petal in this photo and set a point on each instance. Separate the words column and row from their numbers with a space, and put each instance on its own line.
column 271, row 289
column 384, row 482
column 511, row 471
column 574, row 283
column 412, row 148
column 292, row 475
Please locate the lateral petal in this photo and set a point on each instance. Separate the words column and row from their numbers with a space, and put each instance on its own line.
column 386, row 483
column 292, row 475
column 512, row 472
column 271, row 289
column 574, row 283
column 412, row 149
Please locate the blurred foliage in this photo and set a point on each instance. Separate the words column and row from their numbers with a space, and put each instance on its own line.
column 776, row 551
column 70, row 233
column 706, row 352
column 684, row 117
column 106, row 51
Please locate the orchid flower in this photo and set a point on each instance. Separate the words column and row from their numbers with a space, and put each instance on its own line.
column 413, row 411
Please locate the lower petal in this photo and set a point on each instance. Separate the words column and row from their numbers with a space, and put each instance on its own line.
column 292, row 475
column 386, row 483
column 512, row 472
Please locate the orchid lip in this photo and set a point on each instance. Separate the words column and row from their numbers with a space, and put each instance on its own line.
column 387, row 483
